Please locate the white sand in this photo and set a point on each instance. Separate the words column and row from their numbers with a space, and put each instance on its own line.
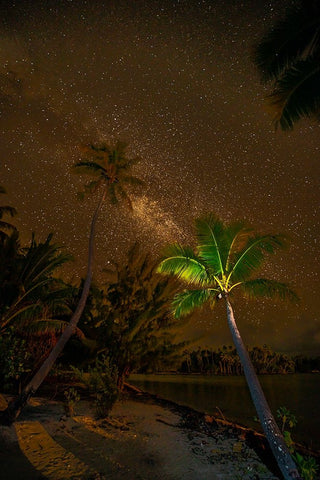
column 140, row 442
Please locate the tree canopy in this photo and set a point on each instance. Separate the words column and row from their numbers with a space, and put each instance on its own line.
column 227, row 257
column 288, row 58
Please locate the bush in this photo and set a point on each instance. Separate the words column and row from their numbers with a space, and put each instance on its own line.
column 13, row 360
column 71, row 397
column 101, row 380
column 307, row 467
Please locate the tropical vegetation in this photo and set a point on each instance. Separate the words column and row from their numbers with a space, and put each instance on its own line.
column 101, row 379
column 307, row 465
column 33, row 302
column 30, row 290
column 288, row 58
column 110, row 169
column 132, row 325
column 225, row 361
column 225, row 260
column 125, row 324
column 6, row 210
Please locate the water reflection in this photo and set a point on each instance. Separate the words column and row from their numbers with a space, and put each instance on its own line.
column 299, row 393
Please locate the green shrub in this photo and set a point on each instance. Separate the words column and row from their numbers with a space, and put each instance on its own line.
column 101, row 380
column 286, row 417
column 14, row 358
column 307, row 467
column 71, row 397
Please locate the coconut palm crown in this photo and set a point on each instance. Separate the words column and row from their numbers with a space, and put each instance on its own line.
column 288, row 56
column 109, row 167
column 226, row 258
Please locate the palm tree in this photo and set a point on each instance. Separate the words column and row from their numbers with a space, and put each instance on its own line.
column 225, row 260
column 6, row 210
column 288, row 56
column 29, row 287
column 110, row 168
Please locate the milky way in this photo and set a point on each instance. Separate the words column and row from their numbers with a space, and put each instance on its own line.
column 175, row 80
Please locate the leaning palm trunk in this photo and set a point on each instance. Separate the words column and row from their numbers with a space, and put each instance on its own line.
column 268, row 423
column 14, row 408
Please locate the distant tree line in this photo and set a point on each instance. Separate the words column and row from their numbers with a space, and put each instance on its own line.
column 125, row 324
column 126, row 319
column 307, row 364
column 225, row 361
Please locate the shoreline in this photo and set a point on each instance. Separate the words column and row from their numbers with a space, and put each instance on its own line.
column 230, row 397
column 213, row 417
column 144, row 437
column 208, row 424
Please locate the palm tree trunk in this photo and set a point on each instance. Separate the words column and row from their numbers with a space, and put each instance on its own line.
column 268, row 423
column 15, row 407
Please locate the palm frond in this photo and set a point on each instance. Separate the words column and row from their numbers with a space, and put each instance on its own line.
column 125, row 197
column 261, row 287
column 185, row 302
column 17, row 314
column 57, row 299
column 42, row 326
column 46, row 267
column 132, row 180
column 112, row 194
column 90, row 168
column 6, row 210
column 183, row 263
column 117, row 154
column 6, row 226
column 296, row 93
column 50, row 325
column 29, row 305
column 291, row 38
column 212, row 245
column 253, row 255
column 236, row 237
column 118, row 148
column 91, row 149
column 41, row 259
column 131, row 162
column 91, row 187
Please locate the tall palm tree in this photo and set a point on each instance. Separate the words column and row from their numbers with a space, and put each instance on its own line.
column 225, row 260
column 6, row 210
column 110, row 168
column 288, row 57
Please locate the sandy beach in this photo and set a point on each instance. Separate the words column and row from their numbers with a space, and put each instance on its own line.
column 143, row 439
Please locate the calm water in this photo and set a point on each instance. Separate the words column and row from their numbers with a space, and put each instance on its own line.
column 299, row 393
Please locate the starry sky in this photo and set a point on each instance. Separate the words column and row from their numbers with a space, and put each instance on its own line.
column 175, row 80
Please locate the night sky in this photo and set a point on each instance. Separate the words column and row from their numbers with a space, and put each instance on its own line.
column 176, row 81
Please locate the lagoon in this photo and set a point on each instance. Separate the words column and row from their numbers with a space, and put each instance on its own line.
column 300, row 393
